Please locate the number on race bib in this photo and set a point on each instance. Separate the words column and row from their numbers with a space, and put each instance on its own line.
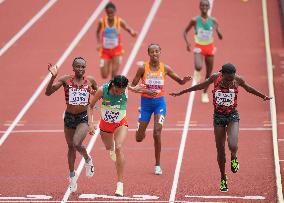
column 78, row 96
column 225, row 99
column 111, row 116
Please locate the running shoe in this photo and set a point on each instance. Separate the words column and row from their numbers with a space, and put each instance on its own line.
column 73, row 182
column 158, row 170
column 196, row 76
column 90, row 169
column 235, row 166
column 204, row 98
column 224, row 185
column 119, row 189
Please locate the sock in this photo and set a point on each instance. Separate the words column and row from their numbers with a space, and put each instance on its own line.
column 72, row 174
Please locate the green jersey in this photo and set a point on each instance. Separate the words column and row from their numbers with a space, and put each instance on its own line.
column 204, row 31
column 113, row 108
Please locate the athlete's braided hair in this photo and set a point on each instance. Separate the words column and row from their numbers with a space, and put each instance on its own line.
column 153, row 44
column 110, row 5
column 77, row 58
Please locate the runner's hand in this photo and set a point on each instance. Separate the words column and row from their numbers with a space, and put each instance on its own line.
column 133, row 33
column 52, row 69
column 152, row 93
column 186, row 79
column 99, row 47
column 188, row 47
column 91, row 128
column 175, row 94
column 220, row 36
column 265, row 98
column 139, row 88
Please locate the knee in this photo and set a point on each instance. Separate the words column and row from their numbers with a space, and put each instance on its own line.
column 118, row 148
column 157, row 132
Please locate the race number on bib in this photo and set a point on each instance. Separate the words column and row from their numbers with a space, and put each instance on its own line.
column 111, row 116
column 154, row 83
column 204, row 34
column 78, row 96
column 110, row 43
column 225, row 99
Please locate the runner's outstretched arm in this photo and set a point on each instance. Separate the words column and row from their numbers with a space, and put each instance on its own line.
column 199, row 86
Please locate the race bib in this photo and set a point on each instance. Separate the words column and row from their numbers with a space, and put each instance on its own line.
column 154, row 83
column 205, row 35
column 78, row 96
column 112, row 116
column 225, row 99
column 110, row 43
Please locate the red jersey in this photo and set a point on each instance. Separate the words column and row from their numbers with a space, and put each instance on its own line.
column 225, row 98
column 77, row 95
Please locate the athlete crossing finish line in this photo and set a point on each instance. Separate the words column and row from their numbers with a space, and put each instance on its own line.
column 226, row 117
column 113, row 123
column 77, row 90
column 153, row 75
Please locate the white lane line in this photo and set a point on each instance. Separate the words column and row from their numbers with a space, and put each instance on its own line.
column 184, row 136
column 2, row 1
column 26, row 27
column 126, row 68
column 228, row 197
column 115, row 201
column 134, row 129
column 66, row 53
column 182, row 145
column 272, row 103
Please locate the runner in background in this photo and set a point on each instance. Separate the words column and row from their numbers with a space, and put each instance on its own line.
column 109, row 41
column 204, row 47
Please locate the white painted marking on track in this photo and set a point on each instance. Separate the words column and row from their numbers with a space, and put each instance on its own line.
column 27, row 197
column 272, row 103
column 227, row 197
column 27, row 26
column 126, row 68
column 134, row 129
column 64, row 56
column 184, row 135
column 141, row 36
column 134, row 197
column 2, row 1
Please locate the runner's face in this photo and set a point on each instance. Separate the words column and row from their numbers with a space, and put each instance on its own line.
column 228, row 77
column 110, row 13
column 118, row 90
column 154, row 53
column 204, row 6
column 79, row 67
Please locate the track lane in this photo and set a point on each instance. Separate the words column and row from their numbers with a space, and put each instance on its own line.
column 27, row 63
column 256, row 176
column 14, row 15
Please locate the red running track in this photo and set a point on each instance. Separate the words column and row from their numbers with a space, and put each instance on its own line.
column 35, row 163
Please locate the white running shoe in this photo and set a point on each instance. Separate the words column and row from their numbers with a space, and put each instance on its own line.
column 119, row 189
column 196, row 76
column 158, row 170
column 73, row 182
column 204, row 98
column 90, row 169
